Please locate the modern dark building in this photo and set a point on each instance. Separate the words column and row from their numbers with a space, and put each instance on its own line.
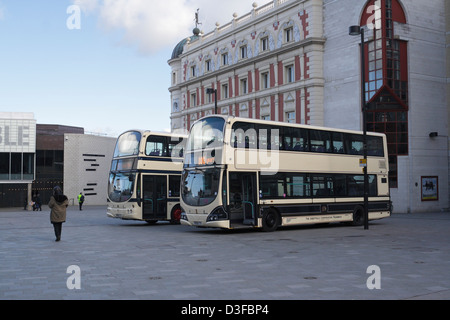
column 50, row 158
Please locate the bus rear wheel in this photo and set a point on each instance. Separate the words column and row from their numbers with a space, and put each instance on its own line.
column 358, row 216
column 270, row 220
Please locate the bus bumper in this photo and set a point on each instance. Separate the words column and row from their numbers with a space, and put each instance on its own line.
column 121, row 213
column 199, row 220
column 379, row 215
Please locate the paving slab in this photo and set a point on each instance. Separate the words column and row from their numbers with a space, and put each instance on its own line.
column 120, row 259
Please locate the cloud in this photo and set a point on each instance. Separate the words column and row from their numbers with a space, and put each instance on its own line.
column 154, row 25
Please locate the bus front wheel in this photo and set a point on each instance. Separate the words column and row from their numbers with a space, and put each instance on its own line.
column 270, row 220
column 175, row 215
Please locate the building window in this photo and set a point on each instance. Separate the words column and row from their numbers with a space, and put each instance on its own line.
column 264, row 44
column 243, row 52
column 193, row 72
column 289, row 71
column 290, row 117
column 209, row 98
column 265, row 117
column 265, row 84
column 243, row 86
column 224, row 59
column 243, row 111
column 224, row 91
column 386, row 83
column 16, row 166
column 174, row 78
column 288, row 34
column 193, row 99
column 208, row 65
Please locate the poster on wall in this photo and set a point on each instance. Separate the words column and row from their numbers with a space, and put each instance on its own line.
column 430, row 189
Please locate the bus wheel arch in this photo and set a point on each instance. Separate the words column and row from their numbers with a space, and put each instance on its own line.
column 175, row 214
column 270, row 219
column 358, row 216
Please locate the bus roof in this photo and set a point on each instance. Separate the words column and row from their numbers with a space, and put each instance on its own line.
column 159, row 133
column 232, row 119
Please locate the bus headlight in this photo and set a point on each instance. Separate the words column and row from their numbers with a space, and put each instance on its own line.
column 183, row 216
column 217, row 214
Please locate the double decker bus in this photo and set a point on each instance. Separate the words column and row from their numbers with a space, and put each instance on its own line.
column 240, row 172
column 144, row 181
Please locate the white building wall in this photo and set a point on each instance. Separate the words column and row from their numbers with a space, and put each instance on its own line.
column 87, row 161
column 428, row 112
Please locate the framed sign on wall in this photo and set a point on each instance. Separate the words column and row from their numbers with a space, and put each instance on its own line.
column 430, row 188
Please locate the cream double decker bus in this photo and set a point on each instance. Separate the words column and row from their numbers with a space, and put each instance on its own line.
column 241, row 173
column 144, row 181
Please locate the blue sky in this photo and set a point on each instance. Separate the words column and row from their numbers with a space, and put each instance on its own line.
column 110, row 75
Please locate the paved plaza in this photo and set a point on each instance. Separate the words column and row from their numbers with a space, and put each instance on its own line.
column 406, row 256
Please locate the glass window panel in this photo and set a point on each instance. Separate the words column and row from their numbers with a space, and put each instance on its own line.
column 402, row 138
column 297, row 185
column 4, row 166
column 391, row 127
column 390, row 116
column 379, row 84
column 378, row 34
column 16, row 166
column 379, row 64
column 338, row 142
column 299, row 139
column 378, row 44
column 392, row 148
column 401, row 116
column 379, row 54
column 402, row 149
column 174, row 186
column 155, row 146
column 28, row 166
column 379, row 74
column 375, row 146
column 402, row 127
column 379, row 127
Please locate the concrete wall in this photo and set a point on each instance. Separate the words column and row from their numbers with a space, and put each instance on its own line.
column 87, row 161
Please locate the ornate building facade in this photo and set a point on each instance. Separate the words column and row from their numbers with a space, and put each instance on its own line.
column 294, row 61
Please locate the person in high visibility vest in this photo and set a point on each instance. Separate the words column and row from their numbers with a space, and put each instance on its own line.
column 80, row 200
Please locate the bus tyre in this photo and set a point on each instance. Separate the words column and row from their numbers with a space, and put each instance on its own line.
column 175, row 215
column 270, row 220
column 358, row 216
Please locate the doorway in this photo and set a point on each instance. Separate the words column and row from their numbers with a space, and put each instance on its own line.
column 154, row 196
column 243, row 197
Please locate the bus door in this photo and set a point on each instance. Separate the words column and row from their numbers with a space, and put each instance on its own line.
column 154, row 196
column 243, row 197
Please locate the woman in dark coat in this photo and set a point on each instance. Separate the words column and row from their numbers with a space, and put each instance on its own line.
column 58, row 205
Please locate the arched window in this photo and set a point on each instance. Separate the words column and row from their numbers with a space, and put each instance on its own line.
column 386, row 83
